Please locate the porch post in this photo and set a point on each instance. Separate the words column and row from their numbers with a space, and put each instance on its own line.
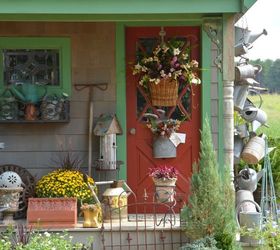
column 228, row 81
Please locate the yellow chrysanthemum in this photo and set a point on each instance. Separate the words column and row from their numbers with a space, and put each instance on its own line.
column 64, row 183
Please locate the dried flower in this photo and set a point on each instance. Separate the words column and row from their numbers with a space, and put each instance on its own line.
column 160, row 172
column 167, row 60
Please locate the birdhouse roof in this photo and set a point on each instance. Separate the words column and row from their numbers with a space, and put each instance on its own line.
column 107, row 124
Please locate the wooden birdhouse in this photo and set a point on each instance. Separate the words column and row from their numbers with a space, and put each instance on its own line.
column 107, row 127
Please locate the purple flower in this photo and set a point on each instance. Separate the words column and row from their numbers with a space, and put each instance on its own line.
column 167, row 172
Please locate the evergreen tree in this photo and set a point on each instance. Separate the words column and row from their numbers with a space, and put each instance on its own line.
column 210, row 209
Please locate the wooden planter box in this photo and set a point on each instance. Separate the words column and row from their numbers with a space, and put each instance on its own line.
column 52, row 212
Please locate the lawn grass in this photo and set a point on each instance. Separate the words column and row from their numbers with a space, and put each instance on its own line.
column 271, row 105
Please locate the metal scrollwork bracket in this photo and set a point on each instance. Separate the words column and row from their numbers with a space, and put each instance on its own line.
column 214, row 30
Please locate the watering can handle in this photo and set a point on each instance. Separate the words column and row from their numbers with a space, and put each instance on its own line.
column 239, row 206
column 257, row 93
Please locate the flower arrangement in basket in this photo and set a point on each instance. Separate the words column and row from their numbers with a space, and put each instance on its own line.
column 164, row 178
column 163, row 70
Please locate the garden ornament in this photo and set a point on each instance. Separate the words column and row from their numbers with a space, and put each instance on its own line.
column 241, row 49
column 29, row 92
column 248, row 220
column 10, row 179
column 239, row 96
column 253, row 151
column 242, row 130
column 238, row 147
column 248, row 178
column 246, row 71
column 251, row 113
column 247, row 36
column 241, row 197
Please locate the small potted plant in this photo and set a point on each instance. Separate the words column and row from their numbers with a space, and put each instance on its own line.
column 164, row 178
column 59, row 193
column 164, row 69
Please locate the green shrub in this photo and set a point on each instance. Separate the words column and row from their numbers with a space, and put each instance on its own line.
column 210, row 208
column 207, row 243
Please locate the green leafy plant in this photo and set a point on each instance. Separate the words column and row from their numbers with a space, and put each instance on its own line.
column 207, row 243
column 268, row 236
column 10, row 240
column 210, row 208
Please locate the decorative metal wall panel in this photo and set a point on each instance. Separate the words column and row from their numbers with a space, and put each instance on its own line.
column 32, row 65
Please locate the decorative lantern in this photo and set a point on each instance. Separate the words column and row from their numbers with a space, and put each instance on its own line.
column 107, row 128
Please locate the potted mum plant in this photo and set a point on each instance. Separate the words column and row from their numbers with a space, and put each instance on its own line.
column 163, row 70
column 164, row 178
column 58, row 195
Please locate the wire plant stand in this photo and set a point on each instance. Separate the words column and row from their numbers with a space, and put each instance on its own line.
column 268, row 197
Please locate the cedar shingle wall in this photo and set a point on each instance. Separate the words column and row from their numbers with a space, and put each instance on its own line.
column 33, row 146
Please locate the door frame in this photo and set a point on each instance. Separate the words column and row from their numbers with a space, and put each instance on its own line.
column 120, row 62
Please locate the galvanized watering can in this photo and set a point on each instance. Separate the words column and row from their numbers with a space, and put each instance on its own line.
column 29, row 92
column 246, row 71
column 248, row 179
column 248, row 219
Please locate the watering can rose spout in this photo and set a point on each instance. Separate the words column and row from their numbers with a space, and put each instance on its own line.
column 28, row 92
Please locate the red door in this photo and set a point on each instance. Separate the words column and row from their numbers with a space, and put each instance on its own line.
column 139, row 137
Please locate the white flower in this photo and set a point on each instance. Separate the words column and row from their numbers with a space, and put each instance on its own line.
column 138, row 66
column 172, row 70
column 157, row 81
column 195, row 81
column 185, row 56
column 169, row 74
column 141, row 82
column 144, row 69
column 152, row 79
column 176, row 52
column 47, row 234
column 162, row 73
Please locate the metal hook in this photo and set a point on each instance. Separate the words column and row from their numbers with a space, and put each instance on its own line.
column 162, row 34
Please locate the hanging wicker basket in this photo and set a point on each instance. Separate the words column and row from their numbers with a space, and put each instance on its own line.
column 165, row 93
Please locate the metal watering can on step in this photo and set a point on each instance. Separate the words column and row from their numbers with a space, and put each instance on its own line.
column 29, row 92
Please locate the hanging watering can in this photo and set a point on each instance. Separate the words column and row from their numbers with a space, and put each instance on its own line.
column 248, row 178
column 238, row 147
column 29, row 92
column 249, row 220
column 242, row 130
column 245, row 195
column 251, row 114
column 163, row 147
column 239, row 96
column 253, row 151
column 246, row 71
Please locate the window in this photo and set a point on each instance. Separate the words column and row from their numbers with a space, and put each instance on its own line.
column 36, row 60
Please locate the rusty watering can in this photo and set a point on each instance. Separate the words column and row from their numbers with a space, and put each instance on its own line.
column 29, row 92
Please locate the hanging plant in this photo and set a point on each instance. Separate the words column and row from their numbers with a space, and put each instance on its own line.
column 163, row 70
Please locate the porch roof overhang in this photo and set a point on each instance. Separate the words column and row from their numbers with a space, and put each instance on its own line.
column 112, row 10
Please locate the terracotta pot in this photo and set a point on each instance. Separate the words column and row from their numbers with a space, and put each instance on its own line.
column 52, row 212
column 30, row 112
column 91, row 216
column 165, row 189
